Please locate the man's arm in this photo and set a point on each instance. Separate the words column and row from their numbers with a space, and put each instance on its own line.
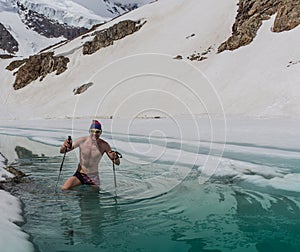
column 70, row 145
column 110, row 153
column 66, row 146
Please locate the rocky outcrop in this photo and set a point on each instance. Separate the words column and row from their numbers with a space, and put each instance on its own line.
column 82, row 88
column 15, row 64
column 251, row 14
column 6, row 56
column 288, row 16
column 24, row 153
column 37, row 66
column 7, row 41
column 18, row 177
column 14, row 171
column 200, row 56
column 107, row 37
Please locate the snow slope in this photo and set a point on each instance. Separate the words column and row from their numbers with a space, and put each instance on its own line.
column 138, row 75
column 11, row 236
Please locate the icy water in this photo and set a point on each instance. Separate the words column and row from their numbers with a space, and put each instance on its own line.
column 251, row 203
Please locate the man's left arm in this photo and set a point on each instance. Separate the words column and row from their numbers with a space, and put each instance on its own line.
column 113, row 156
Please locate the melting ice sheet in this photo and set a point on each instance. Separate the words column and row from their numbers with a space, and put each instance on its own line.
column 183, row 184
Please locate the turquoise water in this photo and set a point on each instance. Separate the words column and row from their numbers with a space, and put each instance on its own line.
column 215, row 216
column 244, row 206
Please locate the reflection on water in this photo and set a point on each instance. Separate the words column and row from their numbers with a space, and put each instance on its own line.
column 220, row 215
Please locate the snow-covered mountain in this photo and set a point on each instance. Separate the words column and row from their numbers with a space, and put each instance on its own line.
column 168, row 58
column 27, row 26
column 80, row 13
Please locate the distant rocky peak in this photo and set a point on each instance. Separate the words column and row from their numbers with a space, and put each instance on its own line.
column 47, row 27
column 117, row 6
column 63, row 14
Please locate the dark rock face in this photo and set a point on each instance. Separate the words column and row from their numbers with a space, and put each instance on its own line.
column 107, row 37
column 7, row 41
column 124, row 7
column 37, row 66
column 127, row 7
column 251, row 14
column 40, row 24
column 51, row 28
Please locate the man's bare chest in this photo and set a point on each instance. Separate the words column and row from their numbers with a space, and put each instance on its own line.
column 91, row 149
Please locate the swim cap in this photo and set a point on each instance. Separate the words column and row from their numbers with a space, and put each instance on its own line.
column 96, row 125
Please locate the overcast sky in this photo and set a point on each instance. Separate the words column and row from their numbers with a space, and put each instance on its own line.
column 95, row 5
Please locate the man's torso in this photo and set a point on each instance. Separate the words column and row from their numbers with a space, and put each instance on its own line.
column 91, row 152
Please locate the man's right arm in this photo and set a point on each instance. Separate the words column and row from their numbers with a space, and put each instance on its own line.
column 66, row 146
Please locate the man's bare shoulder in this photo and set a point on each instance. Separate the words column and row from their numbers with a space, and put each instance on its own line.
column 81, row 140
column 102, row 142
column 103, row 145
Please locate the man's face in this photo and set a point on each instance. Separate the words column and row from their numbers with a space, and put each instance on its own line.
column 95, row 133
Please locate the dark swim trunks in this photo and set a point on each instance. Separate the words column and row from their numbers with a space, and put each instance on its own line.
column 87, row 180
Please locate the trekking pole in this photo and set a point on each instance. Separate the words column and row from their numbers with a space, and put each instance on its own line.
column 62, row 162
column 119, row 155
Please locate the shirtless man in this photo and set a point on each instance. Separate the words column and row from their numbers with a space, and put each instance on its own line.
column 91, row 150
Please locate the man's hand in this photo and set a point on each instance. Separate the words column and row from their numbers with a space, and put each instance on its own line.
column 115, row 156
column 67, row 145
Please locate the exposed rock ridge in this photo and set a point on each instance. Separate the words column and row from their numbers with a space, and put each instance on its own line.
column 47, row 27
column 37, row 66
column 127, row 7
column 119, row 7
column 288, row 16
column 7, row 41
column 250, row 15
column 107, row 37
